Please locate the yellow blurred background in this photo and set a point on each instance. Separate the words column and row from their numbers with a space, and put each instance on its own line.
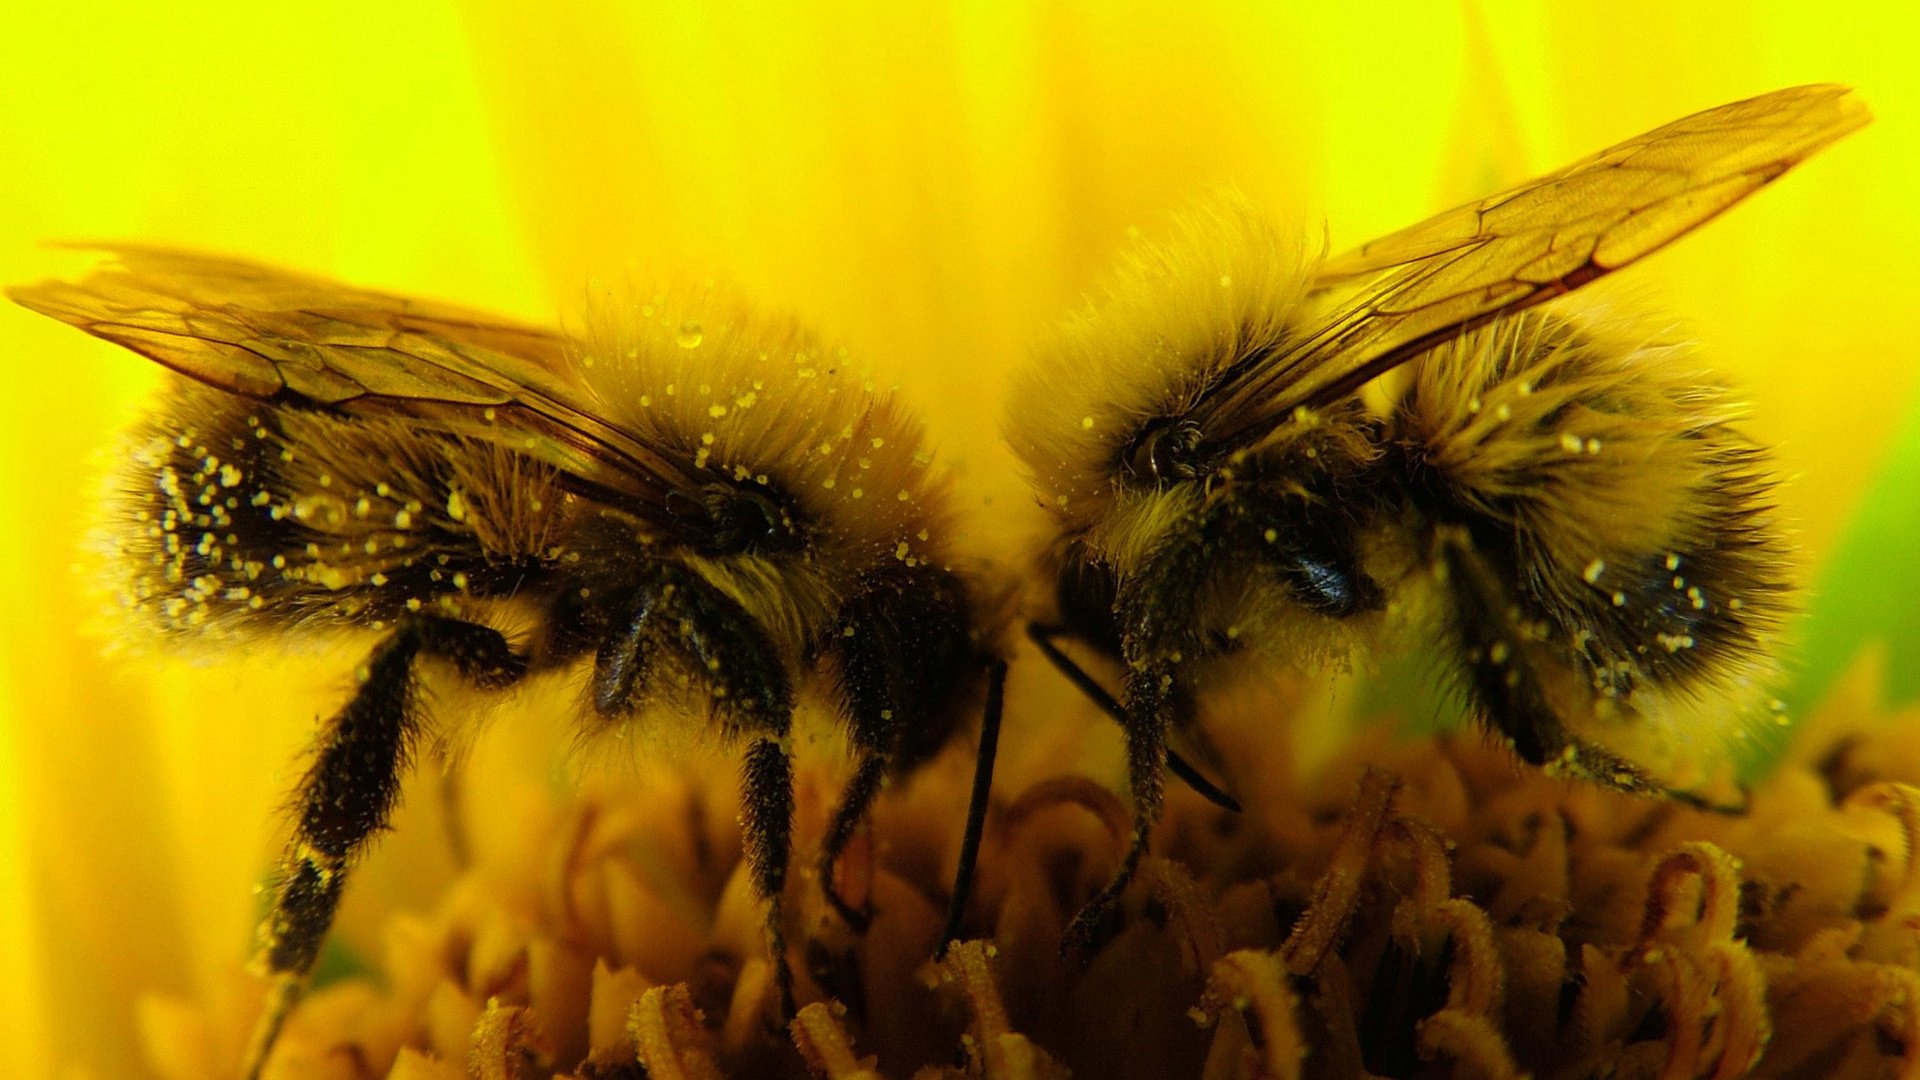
column 931, row 184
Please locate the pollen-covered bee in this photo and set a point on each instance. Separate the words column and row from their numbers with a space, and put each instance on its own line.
column 1563, row 502
column 705, row 506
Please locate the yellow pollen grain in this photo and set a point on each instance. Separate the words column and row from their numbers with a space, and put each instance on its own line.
column 456, row 506
column 1594, row 570
column 900, row 550
column 1571, row 443
column 903, row 495
column 1673, row 561
column 460, row 580
column 1619, row 599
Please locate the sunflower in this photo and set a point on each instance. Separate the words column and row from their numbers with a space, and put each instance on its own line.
column 936, row 187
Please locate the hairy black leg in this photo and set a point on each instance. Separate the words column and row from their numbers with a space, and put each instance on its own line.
column 976, row 805
column 1045, row 638
column 1156, row 611
column 677, row 619
column 349, row 792
column 854, row 802
column 1503, row 663
column 906, row 664
column 766, row 787
column 1150, row 715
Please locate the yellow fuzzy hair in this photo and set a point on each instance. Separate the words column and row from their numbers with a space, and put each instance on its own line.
column 1226, row 282
column 759, row 399
column 1615, row 460
column 369, row 496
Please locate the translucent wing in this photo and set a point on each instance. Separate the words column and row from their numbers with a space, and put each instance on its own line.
column 286, row 337
column 1410, row 290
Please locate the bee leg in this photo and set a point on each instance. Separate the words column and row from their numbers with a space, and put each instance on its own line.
column 854, row 803
column 349, row 793
column 976, row 805
column 1044, row 636
column 1155, row 613
column 767, row 804
column 1500, row 679
column 712, row 639
column 904, row 650
column 1503, row 676
column 1149, row 716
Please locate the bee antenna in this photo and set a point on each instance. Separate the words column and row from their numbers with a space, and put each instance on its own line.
column 976, row 804
column 1042, row 636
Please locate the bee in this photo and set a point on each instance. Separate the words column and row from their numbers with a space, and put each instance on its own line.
column 704, row 506
column 1563, row 502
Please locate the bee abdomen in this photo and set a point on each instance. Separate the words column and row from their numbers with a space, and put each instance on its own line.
column 1624, row 518
column 233, row 511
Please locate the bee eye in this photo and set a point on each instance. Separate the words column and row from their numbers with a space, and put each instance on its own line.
column 737, row 521
column 1165, row 450
column 754, row 522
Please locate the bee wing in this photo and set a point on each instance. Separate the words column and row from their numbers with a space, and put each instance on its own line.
column 286, row 337
column 1410, row 290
